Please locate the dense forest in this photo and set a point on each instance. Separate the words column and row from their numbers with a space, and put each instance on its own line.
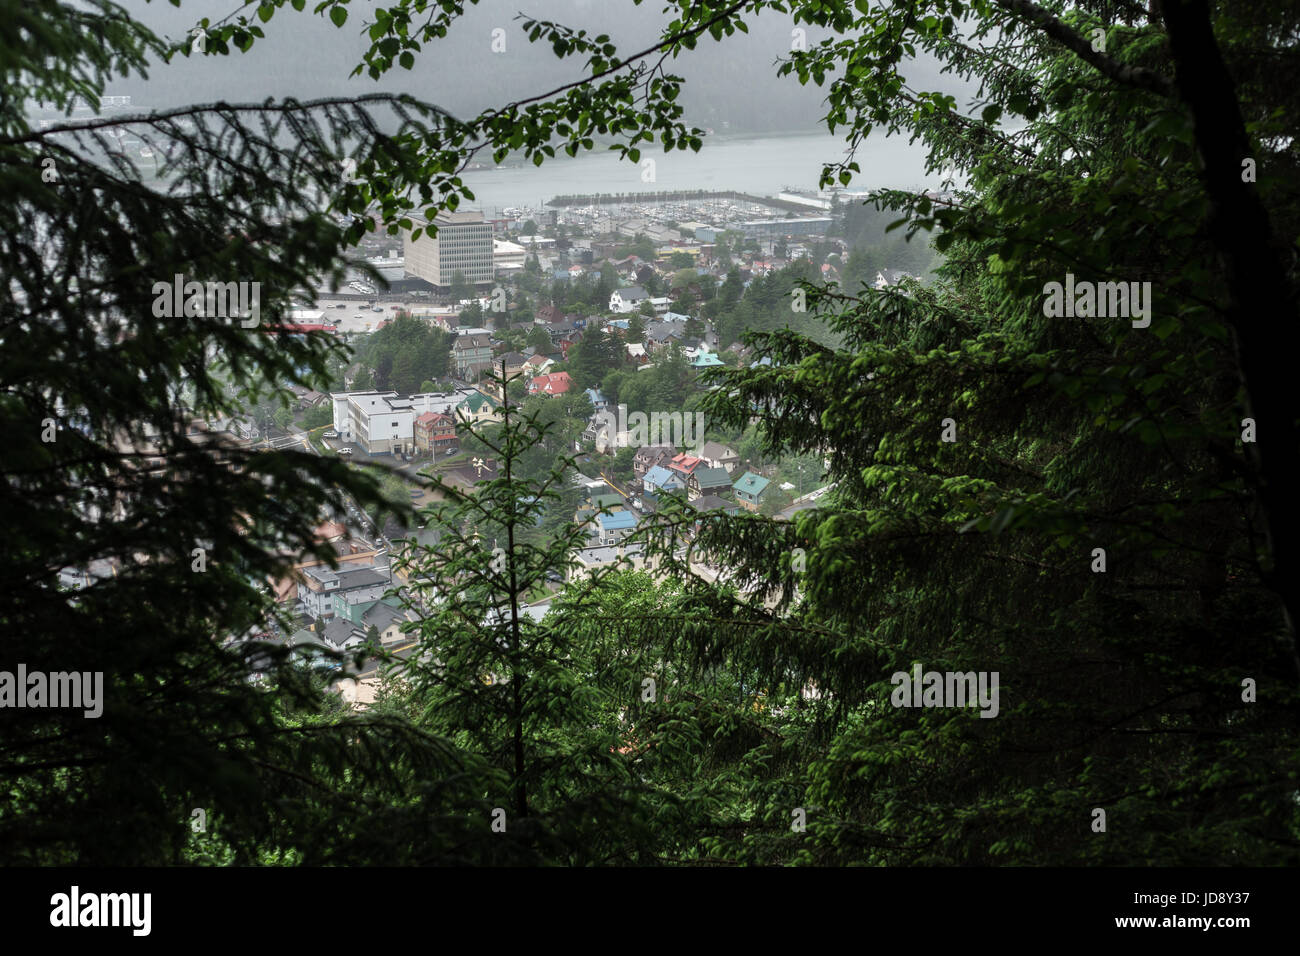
column 1092, row 511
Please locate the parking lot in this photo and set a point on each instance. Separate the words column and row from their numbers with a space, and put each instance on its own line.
column 356, row 315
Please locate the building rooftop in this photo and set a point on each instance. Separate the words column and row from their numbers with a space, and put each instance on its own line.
column 618, row 521
column 751, row 483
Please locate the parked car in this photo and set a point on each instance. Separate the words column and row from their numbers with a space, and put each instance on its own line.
column 345, row 450
column 331, row 434
column 341, row 305
column 378, row 308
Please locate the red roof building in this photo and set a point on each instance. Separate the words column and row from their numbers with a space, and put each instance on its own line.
column 557, row 383
column 684, row 465
column 434, row 431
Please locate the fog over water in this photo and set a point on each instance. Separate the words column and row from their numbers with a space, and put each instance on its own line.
column 762, row 165
column 731, row 87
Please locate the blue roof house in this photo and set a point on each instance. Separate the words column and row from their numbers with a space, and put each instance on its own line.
column 613, row 528
column 660, row 478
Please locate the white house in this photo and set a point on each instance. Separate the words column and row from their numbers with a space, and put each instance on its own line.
column 628, row 300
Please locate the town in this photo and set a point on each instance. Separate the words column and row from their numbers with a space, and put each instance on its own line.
column 603, row 318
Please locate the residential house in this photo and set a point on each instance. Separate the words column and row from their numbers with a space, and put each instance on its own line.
column 388, row 621
column 660, row 478
column 714, row 503
column 647, row 456
column 604, row 438
column 479, row 407
column 888, row 277
column 547, row 314
column 537, row 364
column 628, row 300
column 598, row 501
column 706, row 360
column 613, row 528
column 598, row 401
column 435, row 432
column 556, row 383
column 750, row 489
column 352, row 605
column 684, row 466
column 627, row 266
column 471, row 354
column 659, row 334
column 340, row 635
column 514, row 362
column 708, row 481
column 720, row 456
column 562, row 331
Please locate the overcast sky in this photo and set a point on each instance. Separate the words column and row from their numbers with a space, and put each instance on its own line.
column 306, row 56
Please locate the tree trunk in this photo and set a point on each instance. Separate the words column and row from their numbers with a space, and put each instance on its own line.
column 1261, row 303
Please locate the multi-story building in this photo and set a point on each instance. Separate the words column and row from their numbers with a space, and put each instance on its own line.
column 613, row 528
column 472, row 354
column 435, row 432
column 463, row 244
column 382, row 423
column 319, row 584
column 342, row 418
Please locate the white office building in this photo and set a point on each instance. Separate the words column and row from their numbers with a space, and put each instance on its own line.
column 463, row 244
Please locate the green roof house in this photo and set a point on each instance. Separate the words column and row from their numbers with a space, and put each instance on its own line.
column 749, row 489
